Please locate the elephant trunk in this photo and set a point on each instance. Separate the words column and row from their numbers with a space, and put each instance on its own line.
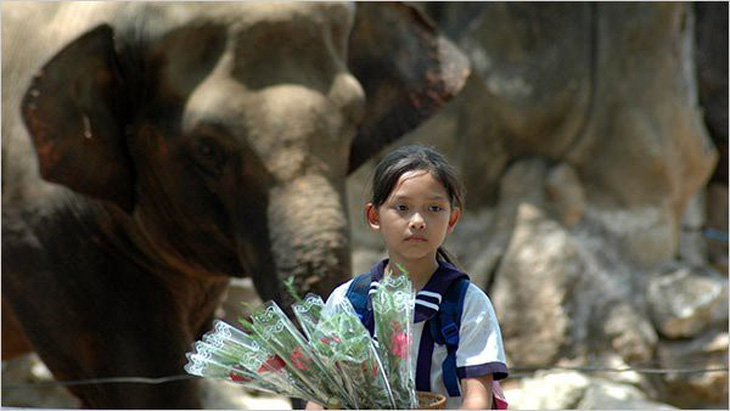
column 309, row 234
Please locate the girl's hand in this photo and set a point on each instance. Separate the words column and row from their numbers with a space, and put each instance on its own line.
column 476, row 392
column 313, row 406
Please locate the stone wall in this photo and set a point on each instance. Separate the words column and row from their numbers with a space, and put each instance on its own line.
column 591, row 220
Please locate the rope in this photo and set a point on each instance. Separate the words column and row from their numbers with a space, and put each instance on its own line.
column 514, row 372
column 528, row 370
column 97, row 381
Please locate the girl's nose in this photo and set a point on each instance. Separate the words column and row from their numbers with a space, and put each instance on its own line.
column 417, row 222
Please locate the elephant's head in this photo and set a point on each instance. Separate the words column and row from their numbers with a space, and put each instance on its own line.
column 226, row 131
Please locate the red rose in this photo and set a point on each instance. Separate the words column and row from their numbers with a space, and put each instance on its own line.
column 326, row 340
column 399, row 344
column 273, row 363
column 298, row 358
column 238, row 377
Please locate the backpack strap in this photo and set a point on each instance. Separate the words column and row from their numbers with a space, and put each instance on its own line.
column 447, row 331
column 357, row 293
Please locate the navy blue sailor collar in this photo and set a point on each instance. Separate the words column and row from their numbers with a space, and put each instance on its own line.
column 428, row 300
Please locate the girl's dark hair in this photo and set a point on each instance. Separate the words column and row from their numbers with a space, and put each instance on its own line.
column 416, row 157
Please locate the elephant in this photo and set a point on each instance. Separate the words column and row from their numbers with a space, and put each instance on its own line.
column 153, row 151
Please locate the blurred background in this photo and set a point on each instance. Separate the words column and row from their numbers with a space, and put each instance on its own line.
column 592, row 141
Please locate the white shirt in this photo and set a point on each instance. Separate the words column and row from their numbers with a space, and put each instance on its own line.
column 480, row 349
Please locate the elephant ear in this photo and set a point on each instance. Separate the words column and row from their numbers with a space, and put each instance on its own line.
column 408, row 71
column 73, row 111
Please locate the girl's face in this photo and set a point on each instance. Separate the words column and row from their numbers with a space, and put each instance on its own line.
column 416, row 216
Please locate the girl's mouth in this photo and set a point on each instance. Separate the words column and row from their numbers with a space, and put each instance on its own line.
column 416, row 238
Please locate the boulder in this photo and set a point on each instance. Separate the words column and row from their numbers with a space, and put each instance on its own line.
column 363, row 259
column 535, row 63
column 538, row 273
column 692, row 247
column 565, row 192
column 631, row 335
column 27, row 382
column 468, row 132
column 549, row 390
column 644, row 236
column 223, row 395
column 522, row 183
column 645, row 144
column 468, row 243
column 693, row 217
column 238, row 301
column 583, row 149
column 684, row 301
column 575, row 390
column 691, row 382
column 568, row 294
column 692, row 243
column 603, row 395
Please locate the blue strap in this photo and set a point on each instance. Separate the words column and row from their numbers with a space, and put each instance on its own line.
column 423, row 363
column 449, row 318
column 357, row 293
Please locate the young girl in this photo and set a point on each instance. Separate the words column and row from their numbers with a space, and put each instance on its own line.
column 416, row 201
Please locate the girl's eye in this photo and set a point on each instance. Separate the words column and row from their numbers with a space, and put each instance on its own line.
column 436, row 208
column 401, row 207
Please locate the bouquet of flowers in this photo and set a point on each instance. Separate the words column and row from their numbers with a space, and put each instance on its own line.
column 227, row 353
column 346, row 346
column 333, row 361
column 393, row 305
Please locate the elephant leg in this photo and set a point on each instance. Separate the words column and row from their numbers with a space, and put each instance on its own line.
column 113, row 323
column 14, row 343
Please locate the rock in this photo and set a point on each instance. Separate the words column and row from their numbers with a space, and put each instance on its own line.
column 603, row 395
column 534, row 282
column 467, row 244
column 549, row 390
column 645, row 236
column 692, row 247
column 535, row 65
column 522, row 183
column 216, row 394
column 575, row 390
column 697, row 389
column 26, row 382
column 240, row 291
column 565, row 191
column 627, row 375
column 468, row 134
column 645, row 145
column 631, row 335
column 685, row 301
column 363, row 259
column 693, row 217
column 569, row 294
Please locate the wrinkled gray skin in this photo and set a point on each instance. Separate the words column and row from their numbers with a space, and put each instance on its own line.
column 178, row 145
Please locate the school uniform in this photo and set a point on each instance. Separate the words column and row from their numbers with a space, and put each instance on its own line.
column 480, row 350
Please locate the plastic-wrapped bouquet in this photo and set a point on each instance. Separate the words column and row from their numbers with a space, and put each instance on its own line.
column 393, row 305
column 334, row 362
column 345, row 344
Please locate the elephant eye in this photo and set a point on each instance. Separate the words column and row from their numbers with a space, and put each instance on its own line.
column 210, row 156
